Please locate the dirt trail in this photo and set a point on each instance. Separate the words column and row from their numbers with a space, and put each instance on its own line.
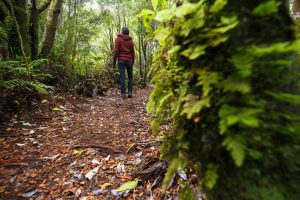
column 48, row 155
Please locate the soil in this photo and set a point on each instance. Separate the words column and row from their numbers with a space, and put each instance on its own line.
column 47, row 154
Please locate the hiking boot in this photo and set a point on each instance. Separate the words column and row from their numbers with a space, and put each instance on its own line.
column 129, row 94
column 123, row 95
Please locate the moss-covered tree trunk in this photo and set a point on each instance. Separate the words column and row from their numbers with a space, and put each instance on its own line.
column 34, row 29
column 50, row 27
column 228, row 75
column 35, row 11
column 20, row 9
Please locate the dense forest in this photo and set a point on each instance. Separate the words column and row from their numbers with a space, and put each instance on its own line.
column 215, row 112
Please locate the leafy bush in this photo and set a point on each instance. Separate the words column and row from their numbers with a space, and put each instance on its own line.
column 227, row 75
column 20, row 83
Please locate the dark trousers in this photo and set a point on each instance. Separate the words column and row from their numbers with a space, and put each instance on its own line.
column 125, row 65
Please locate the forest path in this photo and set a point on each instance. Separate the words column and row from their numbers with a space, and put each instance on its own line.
column 46, row 156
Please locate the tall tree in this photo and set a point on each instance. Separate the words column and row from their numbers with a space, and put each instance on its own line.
column 35, row 11
column 21, row 14
column 51, row 27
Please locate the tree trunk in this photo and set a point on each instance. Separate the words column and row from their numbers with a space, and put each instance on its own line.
column 296, row 6
column 3, row 12
column 20, row 11
column 35, row 12
column 144, row 49
column 34, row 30
column 140, row 58
column 50, row 27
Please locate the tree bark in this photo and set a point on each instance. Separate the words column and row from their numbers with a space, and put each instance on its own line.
column 34, row 30
column 43, row 5
column 140, row 58
column 21, row 14
column 144, row 49
column 51, row 27
column 296, row 6
column 3, row 11
column 35, row 11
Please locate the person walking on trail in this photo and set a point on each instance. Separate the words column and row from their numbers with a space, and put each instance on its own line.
column 124, row 53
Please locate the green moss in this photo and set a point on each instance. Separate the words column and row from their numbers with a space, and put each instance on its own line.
column 235, row 82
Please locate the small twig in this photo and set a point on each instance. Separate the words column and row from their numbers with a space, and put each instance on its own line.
column 16, row 165
column 97, row 147
column 8, row 135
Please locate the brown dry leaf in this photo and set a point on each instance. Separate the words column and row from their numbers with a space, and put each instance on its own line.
column 78, row 192
column 111, row 162
column 70, row 190
column 125, row 177
column 2, row 189
column 82, row 182
column 88, row 152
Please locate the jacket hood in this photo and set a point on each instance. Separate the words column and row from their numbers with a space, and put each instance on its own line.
column 125, row 37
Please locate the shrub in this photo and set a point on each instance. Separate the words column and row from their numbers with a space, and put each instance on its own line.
column 21, row 84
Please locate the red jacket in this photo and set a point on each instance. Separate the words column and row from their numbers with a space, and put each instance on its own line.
column 124, row 49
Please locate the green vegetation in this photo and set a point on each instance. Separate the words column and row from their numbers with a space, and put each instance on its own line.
column 227, row 76
column 77, row 39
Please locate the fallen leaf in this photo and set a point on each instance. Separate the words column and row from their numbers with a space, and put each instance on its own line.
column 2, row 189
column 105, row 185
column 20, row 145
column 70, row 190
column 139, row 154
column 92, row 173
column 29, row 194
column 26, row 124
column 57, row 109
column 182, row 174
column 78, row 192
column 95, row 162
column 128, row 185
column 78, row 152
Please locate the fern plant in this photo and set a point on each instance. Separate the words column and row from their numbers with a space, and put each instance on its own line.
column 227, row 76
column 20, row 83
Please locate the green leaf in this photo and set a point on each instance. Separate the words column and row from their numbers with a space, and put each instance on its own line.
column 174, row 165
column 165, row 15
column 57, row 109
column 286, row 97
column 236, row 146
column 217, row 6
column 78, row 152
column 185, row 9
column 230, row 116
column 235, row 85
column 174, row 49
column 154, row 4
column 128, row 185
column 146, row 13
column 266, row 8
column 194, row 51
column 211, row 176
column 44, row 101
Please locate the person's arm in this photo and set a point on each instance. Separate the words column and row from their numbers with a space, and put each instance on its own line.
column 116, row 50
